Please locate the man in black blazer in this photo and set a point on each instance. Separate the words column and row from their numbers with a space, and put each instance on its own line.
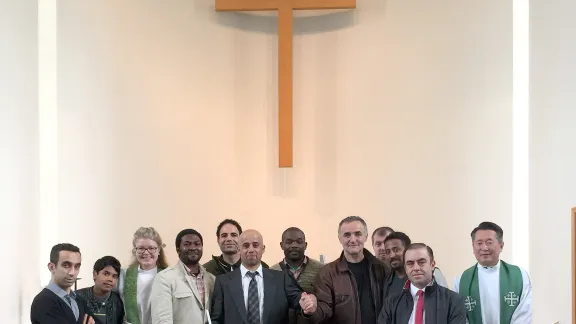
column 256, row 295
column 57, row 303
column 422, row 300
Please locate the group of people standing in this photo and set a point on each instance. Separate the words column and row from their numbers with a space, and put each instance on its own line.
column 398, row 284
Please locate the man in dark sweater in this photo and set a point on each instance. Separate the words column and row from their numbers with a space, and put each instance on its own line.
column 395, row 245
column 57, row 303
column 227, row 235
column 298, row 266
column 104, row 303
column 351, row 289
column 422, row 298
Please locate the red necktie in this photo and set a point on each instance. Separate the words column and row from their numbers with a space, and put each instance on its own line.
column 419, row 316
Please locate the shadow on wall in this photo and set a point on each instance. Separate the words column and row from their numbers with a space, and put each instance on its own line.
column 267, row 24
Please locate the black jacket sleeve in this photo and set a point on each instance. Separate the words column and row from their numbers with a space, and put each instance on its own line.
column 293, row 291
column 385, row 316
column 217, row 313
column 457, row 311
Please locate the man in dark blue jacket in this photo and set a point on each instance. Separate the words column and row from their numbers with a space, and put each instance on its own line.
column 422, row 298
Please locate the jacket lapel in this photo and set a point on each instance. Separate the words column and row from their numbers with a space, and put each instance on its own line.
column 269, row 292
column 208, row 284
column 188, row 279
column 237, row 293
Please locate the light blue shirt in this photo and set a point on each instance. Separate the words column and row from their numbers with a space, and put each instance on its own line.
column 69, row 299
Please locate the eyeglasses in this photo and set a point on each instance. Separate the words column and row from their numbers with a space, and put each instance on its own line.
column 151, row 250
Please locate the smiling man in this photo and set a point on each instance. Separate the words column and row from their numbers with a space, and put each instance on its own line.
column 299, row 266
column 351, row 289
column 495, row 292
column 422, row 300
column 396, row 243
column 254, row 294
column 227, row 235
column 181, row 294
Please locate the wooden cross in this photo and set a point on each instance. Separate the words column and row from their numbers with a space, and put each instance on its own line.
column 284, row 8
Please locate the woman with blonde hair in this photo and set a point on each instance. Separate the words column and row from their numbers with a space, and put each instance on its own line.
column 135, row 284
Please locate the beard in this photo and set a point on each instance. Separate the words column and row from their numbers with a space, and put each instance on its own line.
column 190, row 258
column 398, row 264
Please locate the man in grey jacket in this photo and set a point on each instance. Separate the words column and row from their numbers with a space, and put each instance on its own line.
column 422, row 297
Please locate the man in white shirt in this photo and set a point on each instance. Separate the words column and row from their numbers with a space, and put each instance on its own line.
column 495, row 292
column 422, row 300
column 256, row 295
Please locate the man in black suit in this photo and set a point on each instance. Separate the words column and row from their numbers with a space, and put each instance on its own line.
column 256, row 295
column 57, row 304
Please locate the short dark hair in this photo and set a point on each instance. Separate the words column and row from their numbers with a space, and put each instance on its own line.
column 108, row 260
column 187, row 231
column 351, row 219
column 399, row 236
column 489, row 226
column 228, row 221
column 293, row 229
column 55, row 252
column 381, row 231
column 416, row 246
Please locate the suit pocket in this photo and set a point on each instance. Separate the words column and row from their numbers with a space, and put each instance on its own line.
column 182, row 295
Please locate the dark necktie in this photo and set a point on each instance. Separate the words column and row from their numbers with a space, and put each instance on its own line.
column 253, row 306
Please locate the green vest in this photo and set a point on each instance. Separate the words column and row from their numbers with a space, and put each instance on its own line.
column 510, row 291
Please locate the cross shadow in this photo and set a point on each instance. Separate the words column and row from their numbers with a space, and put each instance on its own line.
column 268, row 24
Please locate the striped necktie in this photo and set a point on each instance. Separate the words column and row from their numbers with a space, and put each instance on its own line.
column 253, row 306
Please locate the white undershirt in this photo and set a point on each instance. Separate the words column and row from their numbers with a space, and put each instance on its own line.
column 489, row 284
column 414, row 292
column 144, row 286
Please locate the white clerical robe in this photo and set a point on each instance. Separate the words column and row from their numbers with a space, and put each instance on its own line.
column 489, row 282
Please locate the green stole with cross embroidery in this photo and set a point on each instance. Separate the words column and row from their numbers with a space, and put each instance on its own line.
column 510, row 291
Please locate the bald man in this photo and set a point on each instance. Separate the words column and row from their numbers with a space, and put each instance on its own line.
column 239, row 295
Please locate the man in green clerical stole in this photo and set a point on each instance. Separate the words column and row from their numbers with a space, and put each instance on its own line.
column 495, row 292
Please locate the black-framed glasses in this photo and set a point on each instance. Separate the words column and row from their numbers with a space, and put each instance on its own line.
column 151, row 250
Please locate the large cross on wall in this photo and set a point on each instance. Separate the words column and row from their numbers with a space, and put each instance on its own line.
column 285, row 91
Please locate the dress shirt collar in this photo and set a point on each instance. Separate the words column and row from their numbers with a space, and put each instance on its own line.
column 414, row 289
column 244, row 271
column 59, row 291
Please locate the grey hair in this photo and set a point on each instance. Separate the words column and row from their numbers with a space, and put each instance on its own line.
column 351, row 219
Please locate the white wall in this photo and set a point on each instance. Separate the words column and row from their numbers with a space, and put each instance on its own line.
column 553, row 156
column 18, row 159
column 166, row 118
